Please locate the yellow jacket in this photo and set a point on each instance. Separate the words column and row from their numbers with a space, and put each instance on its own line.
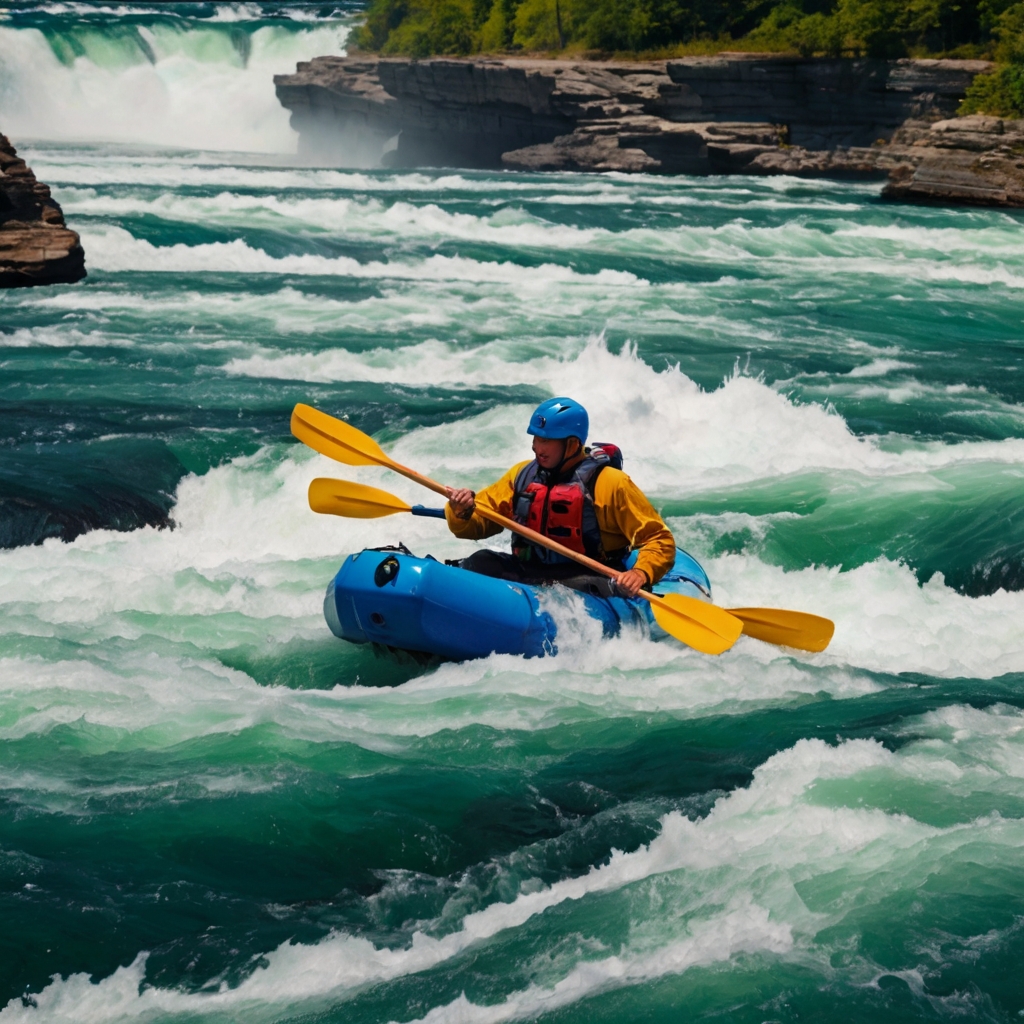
column 624, row 515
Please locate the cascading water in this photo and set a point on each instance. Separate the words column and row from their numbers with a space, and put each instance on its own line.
column 172, row 74
column 213, row 810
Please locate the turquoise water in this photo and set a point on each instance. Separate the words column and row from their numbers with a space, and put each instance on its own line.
column 211, row 809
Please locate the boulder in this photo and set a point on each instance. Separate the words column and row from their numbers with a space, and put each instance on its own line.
column 36, row 247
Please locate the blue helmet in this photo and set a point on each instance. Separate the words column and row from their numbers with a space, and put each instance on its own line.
column 559, row 418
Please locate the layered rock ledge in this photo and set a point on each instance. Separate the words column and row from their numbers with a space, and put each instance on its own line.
column 977, row 161
column 36, row 246
column 703, row 115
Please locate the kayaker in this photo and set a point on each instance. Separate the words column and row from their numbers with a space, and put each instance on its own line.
column 573, row 495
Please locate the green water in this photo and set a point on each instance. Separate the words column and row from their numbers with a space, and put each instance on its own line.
column 211, row 809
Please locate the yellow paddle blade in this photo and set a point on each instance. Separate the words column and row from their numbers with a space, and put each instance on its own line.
column 335, row 438
column 704, row 627
column 354, row 501
column 802, row 630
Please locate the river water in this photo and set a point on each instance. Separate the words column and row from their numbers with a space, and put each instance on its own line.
column 211, row 809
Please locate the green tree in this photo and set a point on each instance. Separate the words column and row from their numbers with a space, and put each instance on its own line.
column 498, row 29
column 876, row 28
column 537, row 28
column 419, row 28
column 382, row 18
column 621, row 25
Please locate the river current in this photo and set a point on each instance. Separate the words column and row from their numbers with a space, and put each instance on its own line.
column 213, row 810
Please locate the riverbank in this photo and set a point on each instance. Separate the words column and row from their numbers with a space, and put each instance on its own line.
column 728, row 114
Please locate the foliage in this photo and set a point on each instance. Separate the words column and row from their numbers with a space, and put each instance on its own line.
column 1008, row 28
column 872, row 28
column 1002, row 92
column 420, row 28
column 498, row 31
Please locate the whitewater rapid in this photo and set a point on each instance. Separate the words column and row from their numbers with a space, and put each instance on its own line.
column 211, row 809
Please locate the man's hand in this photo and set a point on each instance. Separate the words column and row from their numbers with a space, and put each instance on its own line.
column 631, row 581
column 462, row 501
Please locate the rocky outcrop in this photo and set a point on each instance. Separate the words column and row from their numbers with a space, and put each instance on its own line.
column 977, row 161
column 36, row 247
column 644, row 143
column 732, row 113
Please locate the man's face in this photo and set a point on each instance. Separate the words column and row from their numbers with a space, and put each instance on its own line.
column 549, row 452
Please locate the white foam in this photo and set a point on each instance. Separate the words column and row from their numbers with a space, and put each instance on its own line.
column 744, row 928
column 788, row 248
column 54, row 336
column 995, row 234
column 965, row 749
column 677, row 438
column 213, row 169
column 886, row 621
column 338, row 963
column 357, row 217
column 209, row 580
column 117, row 250
column 287, row 311
column 880, row 368
column 702, row 892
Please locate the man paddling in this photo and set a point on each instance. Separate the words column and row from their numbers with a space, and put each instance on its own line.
column 573, row 495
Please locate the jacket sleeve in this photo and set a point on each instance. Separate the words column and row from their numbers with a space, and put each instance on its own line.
column 624, row 511
column 497, row 497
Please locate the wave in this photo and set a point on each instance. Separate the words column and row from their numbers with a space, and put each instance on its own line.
column 682, row 437
column 770, row 874
column 116, row 250
column 919, row 255
column 213, row 170
column 79, row 166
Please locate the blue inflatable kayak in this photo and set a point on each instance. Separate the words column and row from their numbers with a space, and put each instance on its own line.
column 391, row 597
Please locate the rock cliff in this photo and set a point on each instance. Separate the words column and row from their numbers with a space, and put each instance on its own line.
column 731, row 113
column 36, row 247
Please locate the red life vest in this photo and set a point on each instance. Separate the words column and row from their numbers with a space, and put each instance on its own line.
column 563, row 511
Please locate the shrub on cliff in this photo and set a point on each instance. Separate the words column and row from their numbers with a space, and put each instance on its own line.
column 1001, row 93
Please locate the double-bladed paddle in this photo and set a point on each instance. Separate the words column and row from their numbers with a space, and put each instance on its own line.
column 779, row 626
column 699, row 624
column 705, row 627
